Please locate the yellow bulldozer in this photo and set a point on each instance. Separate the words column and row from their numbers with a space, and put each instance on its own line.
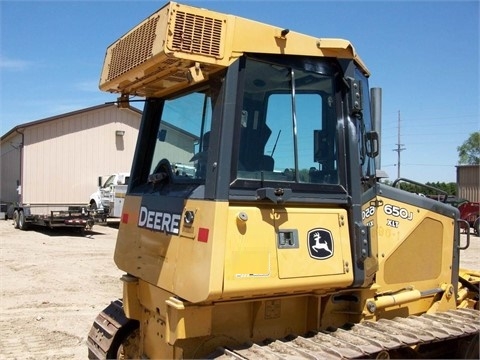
column 255, row 223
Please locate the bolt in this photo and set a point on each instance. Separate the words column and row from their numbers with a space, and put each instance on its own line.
column 242, row 216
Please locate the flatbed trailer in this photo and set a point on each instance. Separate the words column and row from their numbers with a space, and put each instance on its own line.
column 55, row 215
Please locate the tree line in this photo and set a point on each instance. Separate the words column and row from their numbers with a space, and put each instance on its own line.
column 450, row 188
column 468, row 154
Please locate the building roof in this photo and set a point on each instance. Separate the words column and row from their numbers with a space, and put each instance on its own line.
column 56, row 117
column 467, row 165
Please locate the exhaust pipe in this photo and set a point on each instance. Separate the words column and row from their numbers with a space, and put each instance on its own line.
column 376, row 113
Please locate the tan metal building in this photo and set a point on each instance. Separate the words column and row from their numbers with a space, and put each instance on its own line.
column 468, row 182
column 58, row 160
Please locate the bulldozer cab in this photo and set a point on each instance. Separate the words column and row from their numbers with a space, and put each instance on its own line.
column 267, row 131
column 265, row 122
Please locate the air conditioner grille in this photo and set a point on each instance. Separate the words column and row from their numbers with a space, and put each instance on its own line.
column 134, row 49
column 197, row 34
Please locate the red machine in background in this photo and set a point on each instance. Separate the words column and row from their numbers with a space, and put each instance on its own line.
column 470, row 212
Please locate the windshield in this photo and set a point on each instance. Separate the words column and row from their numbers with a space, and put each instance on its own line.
column 109, row 181
column 288, row 124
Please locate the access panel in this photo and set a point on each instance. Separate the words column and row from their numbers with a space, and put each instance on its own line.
column 310, row 242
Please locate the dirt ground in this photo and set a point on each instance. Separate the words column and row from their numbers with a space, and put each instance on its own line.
column 54, row 282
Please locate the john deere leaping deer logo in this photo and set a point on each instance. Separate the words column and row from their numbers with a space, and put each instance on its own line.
column 320, row 244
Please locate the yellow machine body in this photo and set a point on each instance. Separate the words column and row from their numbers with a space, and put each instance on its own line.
column 235, row 285
column 257, row 219
column 237, row 257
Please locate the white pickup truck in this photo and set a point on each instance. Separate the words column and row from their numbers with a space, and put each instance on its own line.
column 109, row 197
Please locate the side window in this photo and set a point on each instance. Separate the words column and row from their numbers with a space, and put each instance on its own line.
column 183, row 136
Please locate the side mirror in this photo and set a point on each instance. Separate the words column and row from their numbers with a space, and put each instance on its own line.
column 321, row 149
column 372, row 144
column 162, row 134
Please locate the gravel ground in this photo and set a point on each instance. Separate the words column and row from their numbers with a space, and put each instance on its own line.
column 54, row 282
column 470, row 258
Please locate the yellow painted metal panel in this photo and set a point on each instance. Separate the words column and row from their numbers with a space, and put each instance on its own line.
column 312, row 223
column 255, row 263
column 185, row 264
column 179, row 44
column 236, row 258
column 415, row 245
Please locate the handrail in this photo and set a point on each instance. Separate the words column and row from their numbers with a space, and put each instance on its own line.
column 422, row 185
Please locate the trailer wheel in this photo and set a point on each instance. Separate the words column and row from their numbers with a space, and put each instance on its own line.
column 15, row 219
column 22, row 224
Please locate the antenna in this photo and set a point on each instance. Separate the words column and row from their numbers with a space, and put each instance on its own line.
column 276, row 141
column 400, row 147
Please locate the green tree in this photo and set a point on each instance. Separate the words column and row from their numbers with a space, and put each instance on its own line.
column 469, row 151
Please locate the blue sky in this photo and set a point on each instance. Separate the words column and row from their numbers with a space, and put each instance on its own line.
column 423, row 54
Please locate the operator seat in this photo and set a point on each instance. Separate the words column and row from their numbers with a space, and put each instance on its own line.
column 202, row 156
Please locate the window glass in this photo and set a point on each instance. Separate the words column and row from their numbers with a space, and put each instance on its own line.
column 288, row 126
column 109, row 181
column 183, row 137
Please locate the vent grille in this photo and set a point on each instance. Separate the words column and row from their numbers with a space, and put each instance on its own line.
column 197, row 34
column 134, row 49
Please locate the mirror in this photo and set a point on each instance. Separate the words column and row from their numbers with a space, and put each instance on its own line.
column 162, row 134
column 372, row 144
column 321, row 149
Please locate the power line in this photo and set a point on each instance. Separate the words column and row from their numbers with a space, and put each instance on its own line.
column 458, row 128
column 432, row 165
column 443, row 117
column 440, row 117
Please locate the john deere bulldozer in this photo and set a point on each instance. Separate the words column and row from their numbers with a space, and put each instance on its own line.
column 255, row 224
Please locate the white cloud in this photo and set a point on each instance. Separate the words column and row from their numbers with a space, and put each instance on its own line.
column 14, row 64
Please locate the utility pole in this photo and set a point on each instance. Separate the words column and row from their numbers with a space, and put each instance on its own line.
column 400, row 147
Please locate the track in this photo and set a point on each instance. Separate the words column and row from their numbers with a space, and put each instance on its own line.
column 451, row 334
column 378, row 339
